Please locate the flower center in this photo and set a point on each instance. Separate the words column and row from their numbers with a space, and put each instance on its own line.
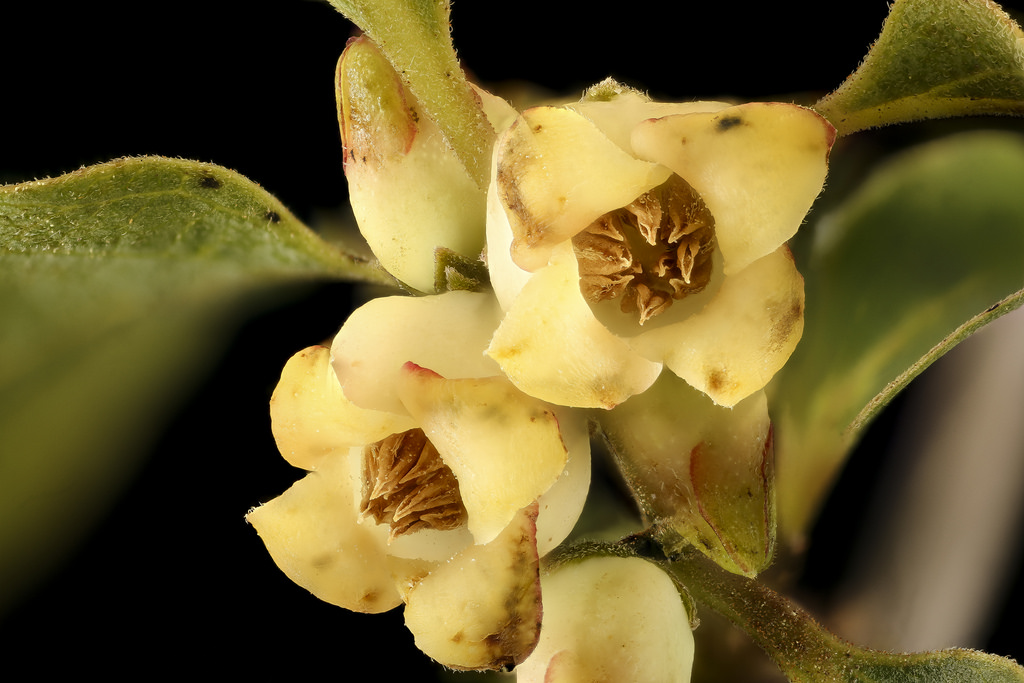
column 649, row 253
column 407, row 485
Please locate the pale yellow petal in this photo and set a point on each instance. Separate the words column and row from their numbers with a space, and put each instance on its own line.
column 507, row 278
column 561, row 505
column 313, row 534
column 611, row 619
column 447, row 333
column 552, row 347
column 757, row 166
column 742, row 337
column 617, row 109
column 556, row 174
column 504, row 447
column 311, row 418
column 482, row 609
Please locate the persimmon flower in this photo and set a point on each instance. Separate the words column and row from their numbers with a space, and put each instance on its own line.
column 611, row 619
column 432, row 480
column 625, row 234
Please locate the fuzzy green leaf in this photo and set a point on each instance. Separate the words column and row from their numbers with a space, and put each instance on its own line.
column 928, row 250
column 934, row 59
column 117, row 283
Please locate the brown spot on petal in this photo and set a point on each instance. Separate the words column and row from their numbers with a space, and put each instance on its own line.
column 783, row 328
column 718, row 380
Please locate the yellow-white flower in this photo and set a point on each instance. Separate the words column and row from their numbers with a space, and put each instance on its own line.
column 625, row 234
column 433, row 481
column 611, row 619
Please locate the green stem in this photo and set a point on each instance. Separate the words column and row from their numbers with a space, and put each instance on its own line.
column 803, row 649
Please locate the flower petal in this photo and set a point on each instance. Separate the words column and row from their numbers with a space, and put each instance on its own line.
column 617, row 109
column 552, row 347
column 313, row 534
column 743, row 336
column 482, row 609
column 447, row 333
column 611, row 619
column 757, row 166
column 311, row 418
column 556, row 174
column 503, row 446
column 561, row 505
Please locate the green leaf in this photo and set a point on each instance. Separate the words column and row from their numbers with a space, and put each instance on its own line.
column 416, row 38
column 934, row 59
column 930, row 248
column 116, row 283
column 808, row 653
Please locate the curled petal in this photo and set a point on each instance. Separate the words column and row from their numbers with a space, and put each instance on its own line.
column 552, row 347
column 556, row 173
column 757, row 166
column 742, row 337
column 611, row 619
column 311, row 418
column 504, row 447
column 482, row 609
column 313, row 534
column 447, row 333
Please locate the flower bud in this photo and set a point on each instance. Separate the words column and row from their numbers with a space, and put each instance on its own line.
column 409, row 192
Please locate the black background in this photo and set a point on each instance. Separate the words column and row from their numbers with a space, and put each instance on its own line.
column 173, row 579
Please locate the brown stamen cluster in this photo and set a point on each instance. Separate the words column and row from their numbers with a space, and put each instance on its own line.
column 650, row 253
column 407, row 485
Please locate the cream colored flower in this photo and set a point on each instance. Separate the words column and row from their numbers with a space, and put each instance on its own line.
column 625, row 234
column 611, row 619
column 433, row 481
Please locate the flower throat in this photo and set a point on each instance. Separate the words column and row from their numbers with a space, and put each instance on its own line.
column 407, row 485
column 652, row 252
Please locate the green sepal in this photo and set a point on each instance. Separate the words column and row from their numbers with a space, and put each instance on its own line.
column 453, row 271
column 933, row 59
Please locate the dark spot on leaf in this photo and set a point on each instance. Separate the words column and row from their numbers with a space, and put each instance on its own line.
column 208, row 182
column 272, row 216
column 727, row 122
